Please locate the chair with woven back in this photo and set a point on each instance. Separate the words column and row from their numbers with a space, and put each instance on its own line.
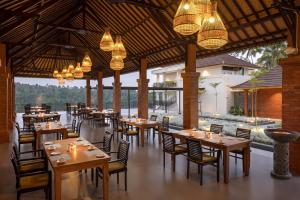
column 130, row 132
column 118, row 127
column 196, row 155
column 216, row 128
column 31, row 181
column 152, row 118
column 76, row 133
column 240, row 133
column 170, row 146
column 119, row 164
column 164, row 126
column 25, row 136
column 71, row 127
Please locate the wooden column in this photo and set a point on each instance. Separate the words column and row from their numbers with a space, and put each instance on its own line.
column 291, row 103
column 117, row 92
column 14, row 99
column 4, row 97
column 246, row 100
column 190, row 89
column 143, row 90
column 88, row 98
column 100, row 91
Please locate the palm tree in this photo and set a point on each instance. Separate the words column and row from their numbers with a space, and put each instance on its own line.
column 215, row 85
column 249, row 54
column 271, row 55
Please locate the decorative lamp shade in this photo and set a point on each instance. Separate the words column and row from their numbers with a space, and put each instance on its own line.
column 61, row 82
column 55, row 73
column 69, row 76
column 86, row 65
column 119, row 51
column 116, row 64
column 185, row 18
column 71, row 68
column 213, row 34
column 203, row 9
column 78, row 73
column 64, row 73
column 107, row 43
column 59, row 76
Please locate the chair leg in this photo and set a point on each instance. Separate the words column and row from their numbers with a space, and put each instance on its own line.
column 92, row 174
column 126, row 180
column 218, row 171
column 164, row 156
column 235, row 158
column 173, row 157
column 117, row 178
column 201, row 174
column 18, row 195
column 198, row 169
column 188, row 169
column 96, row 178
column 138, row 140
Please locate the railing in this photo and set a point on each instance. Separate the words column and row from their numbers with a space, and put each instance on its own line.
column 166, row 84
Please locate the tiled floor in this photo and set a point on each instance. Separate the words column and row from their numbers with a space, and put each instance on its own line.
column 147, row 179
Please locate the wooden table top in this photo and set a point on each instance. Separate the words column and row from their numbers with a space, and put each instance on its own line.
column 139, row 121
column 50, row 127
column 217, row 139
column 40, row 115
column 74, row 157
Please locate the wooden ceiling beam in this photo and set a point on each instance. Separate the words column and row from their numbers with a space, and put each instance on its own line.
column 140, row 3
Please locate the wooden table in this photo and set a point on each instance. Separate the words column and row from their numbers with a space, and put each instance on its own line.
column 54, row 127
column 142, row 124
column 228, row 144
column 76, row 160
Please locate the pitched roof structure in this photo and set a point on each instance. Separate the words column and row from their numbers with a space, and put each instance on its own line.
column 272, row 79
column 42, row 35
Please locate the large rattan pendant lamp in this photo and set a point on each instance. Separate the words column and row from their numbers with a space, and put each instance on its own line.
column 203, row 9
column 107, row 43
column 55, row 73
column 64, row 72
column 86, row 64
column 119, row 51
column 213, row 34
column 185, row 18
column 78, row 73
column 116, row 64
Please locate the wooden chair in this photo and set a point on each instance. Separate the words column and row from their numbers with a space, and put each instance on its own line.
column 76, row 133
column 118, row 127
column 25, row 136
column 130, row 132
column 119, row 165
column 28, row 182
column 196, row 155
column 105, row 144
column 71, row 127
column 215, row 128
column 241, row 133
column 170, row 146
column 164, row 126
column 152, row 118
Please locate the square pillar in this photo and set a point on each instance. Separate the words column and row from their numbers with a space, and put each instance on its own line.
column 190, row 89
column 4, row 97
column 100, row 91
column 117, row 92
column 246, row 102
column 143, row 90
column 88, row 99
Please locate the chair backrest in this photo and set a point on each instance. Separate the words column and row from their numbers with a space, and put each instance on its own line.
column 18, row 128
column 194, row 149
column 123, row 151
column 13, row 160
column 243, row 133
column 79, row 123
column 107, row 138
column 74, row 124
column 216, row 128
column 168, row 141
column 153, row 117
column 165, row 123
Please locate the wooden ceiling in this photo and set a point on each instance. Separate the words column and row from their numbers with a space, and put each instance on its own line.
column 42, row 35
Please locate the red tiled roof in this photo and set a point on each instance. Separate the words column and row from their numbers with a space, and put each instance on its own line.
column 223, row 59
column 272, row 79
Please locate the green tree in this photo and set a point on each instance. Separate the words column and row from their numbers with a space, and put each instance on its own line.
column 272, row 54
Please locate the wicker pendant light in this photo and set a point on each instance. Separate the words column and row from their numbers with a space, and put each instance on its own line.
column 78, row 71
column 107, row 43
column 119, row 51
column 203, row 9
column 59, row 76
column 69, row 76
column 213, row 34
column 64, row 73
column 71, row 68
column 116, row 64
column 55, row 73
column 86, row 65
column 185, row 18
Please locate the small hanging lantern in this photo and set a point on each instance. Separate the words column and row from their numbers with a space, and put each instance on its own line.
column 213, row 34
column 64, row 73
column 78, row 71
column 107, row 43
column 116, row 64
column 71, row 68
column 55, row 73
column 119, row 51
column 61, row 82
column 59, row 76
column 185, row 18
column 86, row 65
column 203, row 9
column 69, row 76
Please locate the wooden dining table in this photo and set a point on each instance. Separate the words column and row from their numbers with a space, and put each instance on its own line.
column 48, row 128
column 141, row 124
column 224, row 143
column 77, row 156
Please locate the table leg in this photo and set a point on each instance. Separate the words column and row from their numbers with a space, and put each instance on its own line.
column 65, row 134
column 105, row 181
column 226, row 165
column 246, row 161
column 38, row 140
column 57, row 185
column 142, row 135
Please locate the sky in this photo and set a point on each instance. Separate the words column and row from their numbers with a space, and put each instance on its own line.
column 126, row 80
